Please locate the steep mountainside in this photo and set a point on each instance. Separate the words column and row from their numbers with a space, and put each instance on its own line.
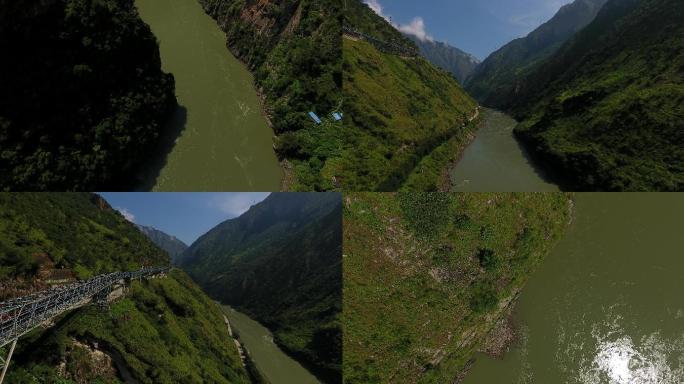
column 280, row 262
column 163, row 331
column 429, row 275
column 293, row 48
column 82, row 95
column 405, row 119
column 605, row 112
column 496, row 81
column 171, row 244
column 457, row 62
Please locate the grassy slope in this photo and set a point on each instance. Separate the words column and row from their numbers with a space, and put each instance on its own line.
column 605, row 111
column 166, row 330
column 427, row 275
column 293, row 48
column 398, row 112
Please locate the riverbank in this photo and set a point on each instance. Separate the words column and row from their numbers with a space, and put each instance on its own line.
column 270, row 361
column 588, row 315
column 432, row 172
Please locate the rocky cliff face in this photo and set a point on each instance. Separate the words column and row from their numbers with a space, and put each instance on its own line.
column 171, row 244
column 265, row 21
column 459, row 63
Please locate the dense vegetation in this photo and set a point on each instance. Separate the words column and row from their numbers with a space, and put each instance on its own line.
column 605, row 111
column 457, row 62
column 280, row 262
column 79, row 231
column 428, row 275
column 82, row 95
column 171, row 244
column 163, row 331
column 496, row 81
column 399, row 111
column 293, row 47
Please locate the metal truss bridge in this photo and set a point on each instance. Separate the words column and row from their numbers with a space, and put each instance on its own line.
column 21, row 315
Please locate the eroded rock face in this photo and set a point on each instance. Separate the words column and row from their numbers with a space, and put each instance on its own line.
column 83, row 363
column 267, row 20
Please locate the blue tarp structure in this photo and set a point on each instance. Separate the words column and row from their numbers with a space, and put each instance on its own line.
column 315, row 118
column 337, row 116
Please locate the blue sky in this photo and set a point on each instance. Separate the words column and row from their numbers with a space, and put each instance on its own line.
column 184, row 215
column 478, row 27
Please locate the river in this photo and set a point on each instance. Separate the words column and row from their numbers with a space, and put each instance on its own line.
column 496, row 162
column 607, row 305
column 219, row 139
column 271, row 361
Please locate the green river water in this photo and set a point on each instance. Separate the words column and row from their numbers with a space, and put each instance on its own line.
column 495, row 161
column 219, row 139
column 607, row 305
column 271, row 361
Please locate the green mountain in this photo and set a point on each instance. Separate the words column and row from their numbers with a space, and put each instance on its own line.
column 605, row 112
column 405, row 120
column 428, row 276
column 497, row 80
column 293, row 48
column 163, row 330
column 171, row 244
column 280, row 262
column 457, row 62
column 82, row 95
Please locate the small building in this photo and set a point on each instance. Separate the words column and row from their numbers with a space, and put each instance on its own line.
column 315, row 118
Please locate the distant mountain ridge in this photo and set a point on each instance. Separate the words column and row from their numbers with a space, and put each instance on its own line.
column 456, row 61
column 169, row 243
column 281, row 263
column 497, row 79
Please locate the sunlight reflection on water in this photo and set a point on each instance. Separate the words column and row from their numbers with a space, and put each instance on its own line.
column 617, row 359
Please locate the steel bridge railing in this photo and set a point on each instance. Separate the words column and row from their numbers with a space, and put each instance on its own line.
column 391, row 48
column 19, row 316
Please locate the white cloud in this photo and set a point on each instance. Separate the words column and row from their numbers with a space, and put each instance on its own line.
column 416, row 28
column 128, row 215
column 377, row 8
column 235, row 204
